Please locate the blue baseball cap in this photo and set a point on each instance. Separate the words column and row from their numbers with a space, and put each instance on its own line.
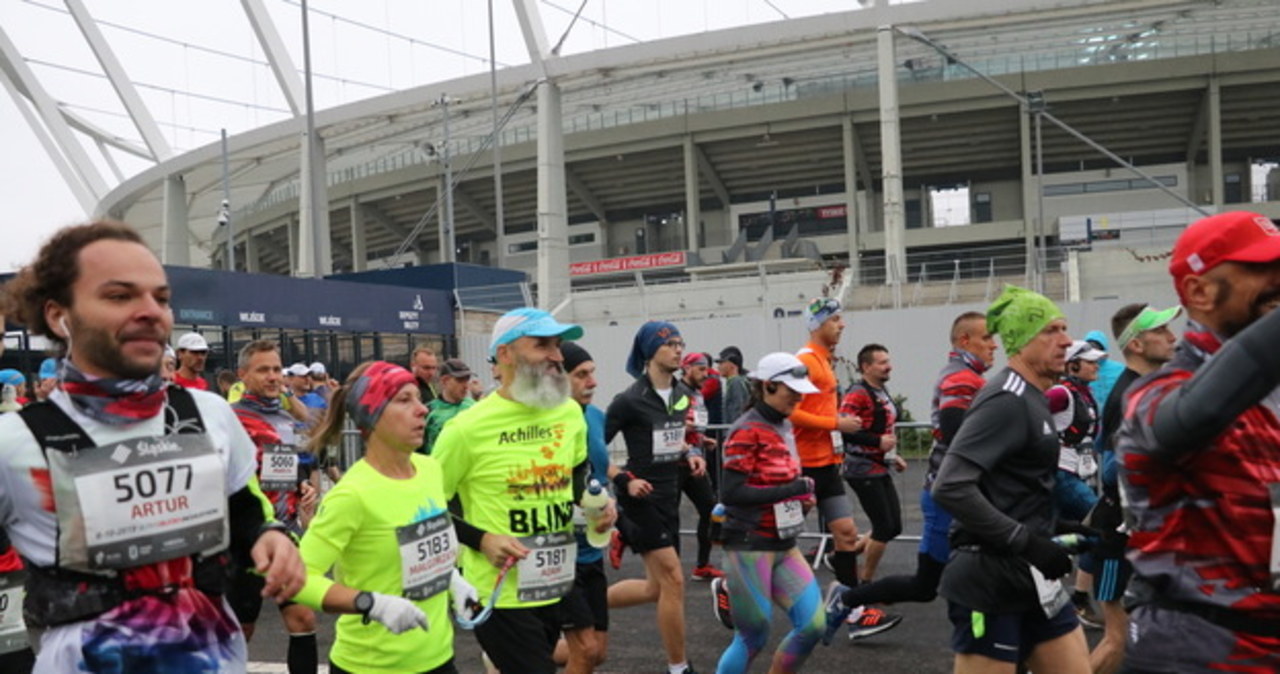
column 529, row 322
column 12, row 376
column 48, row 369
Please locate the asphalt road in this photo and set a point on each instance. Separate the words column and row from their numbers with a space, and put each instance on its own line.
column 919, row 645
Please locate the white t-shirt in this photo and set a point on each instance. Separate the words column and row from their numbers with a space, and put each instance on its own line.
column 27, row 512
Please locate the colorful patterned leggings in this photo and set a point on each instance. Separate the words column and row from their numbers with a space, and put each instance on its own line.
column 757, row 580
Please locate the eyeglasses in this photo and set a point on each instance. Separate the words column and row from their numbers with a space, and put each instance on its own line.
column 797, row 372
column 675, row 343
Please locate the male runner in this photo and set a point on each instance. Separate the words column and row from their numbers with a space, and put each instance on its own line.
column 819, row 432
column 1199, row 470
column 871, row 453
column 283, row 468
column 1148, row 345
column 1005, row 597
column 425, row 365
column 973, row 350
column 455, row 396
column 132, row 463
column 698, row 487
column 193, row 353
column 651, row 414
column 518, row 466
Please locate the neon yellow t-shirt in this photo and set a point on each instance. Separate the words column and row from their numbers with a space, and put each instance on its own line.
column 511, row 465
column 355, row 528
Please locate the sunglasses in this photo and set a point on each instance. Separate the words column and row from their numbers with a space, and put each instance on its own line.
column 821, row 304
column 798, row 372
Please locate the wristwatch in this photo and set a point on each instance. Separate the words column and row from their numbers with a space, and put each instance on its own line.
column 364, row 604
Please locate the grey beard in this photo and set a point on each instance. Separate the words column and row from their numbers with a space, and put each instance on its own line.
column 534, row 387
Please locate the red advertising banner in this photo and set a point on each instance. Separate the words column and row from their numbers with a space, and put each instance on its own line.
column 631, row 263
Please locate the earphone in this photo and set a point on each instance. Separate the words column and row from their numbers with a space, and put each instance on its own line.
column 63, row 322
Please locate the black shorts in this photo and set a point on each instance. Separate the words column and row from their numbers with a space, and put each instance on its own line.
column 587, row 604
column 879, row 499
column 655, row 519
column 1008, row 637
column 244, row 594
column 828, row 488
column 521, row 639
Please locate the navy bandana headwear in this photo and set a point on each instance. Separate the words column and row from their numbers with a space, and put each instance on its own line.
column 370, row 393
column 113, row 401
column 649, row 338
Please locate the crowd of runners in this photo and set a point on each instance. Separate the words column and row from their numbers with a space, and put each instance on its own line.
column 148, row 512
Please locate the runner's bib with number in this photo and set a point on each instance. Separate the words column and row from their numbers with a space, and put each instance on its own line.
column 138, row 502
column 13, row 632
column 279, row 470
column 668, row 442
column 547, row 572
column 700, row 419
column 837, row 442
column 789, row 518
column 428, row 552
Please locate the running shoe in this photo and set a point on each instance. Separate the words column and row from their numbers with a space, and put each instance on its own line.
column 720, row 601
column 616, row 548
column 872, row 622
column 836, row 611
column 706, row 572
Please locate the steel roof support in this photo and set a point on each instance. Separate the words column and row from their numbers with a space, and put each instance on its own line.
column 87, row 201
column 277, row 55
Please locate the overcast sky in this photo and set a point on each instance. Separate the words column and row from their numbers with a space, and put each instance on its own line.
column 167, row 47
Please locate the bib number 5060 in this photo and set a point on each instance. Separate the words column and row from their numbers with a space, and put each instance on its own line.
column 147, row 482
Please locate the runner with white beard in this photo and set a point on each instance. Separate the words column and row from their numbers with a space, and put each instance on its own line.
column 518, row 464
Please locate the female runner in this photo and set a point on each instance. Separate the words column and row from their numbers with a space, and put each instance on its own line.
column 386, row 527
column 765, row 499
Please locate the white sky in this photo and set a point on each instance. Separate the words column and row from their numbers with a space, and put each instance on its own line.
column 37, row 201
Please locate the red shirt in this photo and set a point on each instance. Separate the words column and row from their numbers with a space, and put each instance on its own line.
column 198, row 382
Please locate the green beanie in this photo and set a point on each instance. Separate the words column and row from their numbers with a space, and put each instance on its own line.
column 1018, row 315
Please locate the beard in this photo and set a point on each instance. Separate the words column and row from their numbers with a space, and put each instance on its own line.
column 545, row 387
column 107, row 352
column 1261, row 306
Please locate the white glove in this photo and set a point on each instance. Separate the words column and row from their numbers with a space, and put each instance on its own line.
column 397, row 613
column 464, row 595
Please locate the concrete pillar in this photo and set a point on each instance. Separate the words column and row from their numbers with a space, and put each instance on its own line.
column 315, row 247
column 252, row 261
column 850, row 196
column 359, row 250
column 293, row 227
column 1215, row 141
column 175, row 244
column 1030, row 200
column 692, row 194
column 895, row 216
column 553, row 221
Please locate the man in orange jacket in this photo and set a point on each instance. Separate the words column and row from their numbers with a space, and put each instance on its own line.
column 819, row 431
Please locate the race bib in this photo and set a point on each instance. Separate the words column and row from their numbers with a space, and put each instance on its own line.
column 789, row 518
column 1088, row 464
column 138, row 502
column 428, row 552
column 13, row 632
column 700, row 419
column 1052, row 595
column 837, row 442
column 547, row 572
column 279, row 469
column 1069, row 460
column 668, row 442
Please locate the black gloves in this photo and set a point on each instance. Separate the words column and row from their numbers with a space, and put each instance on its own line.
column 1051, row 558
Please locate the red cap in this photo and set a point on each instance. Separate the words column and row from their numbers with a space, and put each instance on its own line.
column 693, row 359
column 1237, row 236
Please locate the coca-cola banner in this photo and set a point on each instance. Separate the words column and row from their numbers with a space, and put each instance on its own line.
column 630, row 263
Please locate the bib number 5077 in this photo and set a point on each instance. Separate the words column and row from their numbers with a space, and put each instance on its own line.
column 148, row 482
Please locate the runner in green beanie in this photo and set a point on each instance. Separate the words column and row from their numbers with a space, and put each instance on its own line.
column 1019, row 314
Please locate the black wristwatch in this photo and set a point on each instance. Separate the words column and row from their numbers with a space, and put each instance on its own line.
column 364, row 604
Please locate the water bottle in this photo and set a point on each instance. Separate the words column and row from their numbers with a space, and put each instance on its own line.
column 717, row 514
column 1075, row 543
column 594, row 501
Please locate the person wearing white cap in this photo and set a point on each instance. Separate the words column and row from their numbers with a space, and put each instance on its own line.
column 193, row 353
column 518, row 465
column 766, row 497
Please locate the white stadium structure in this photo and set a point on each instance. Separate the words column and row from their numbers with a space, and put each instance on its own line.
column 909, row 157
